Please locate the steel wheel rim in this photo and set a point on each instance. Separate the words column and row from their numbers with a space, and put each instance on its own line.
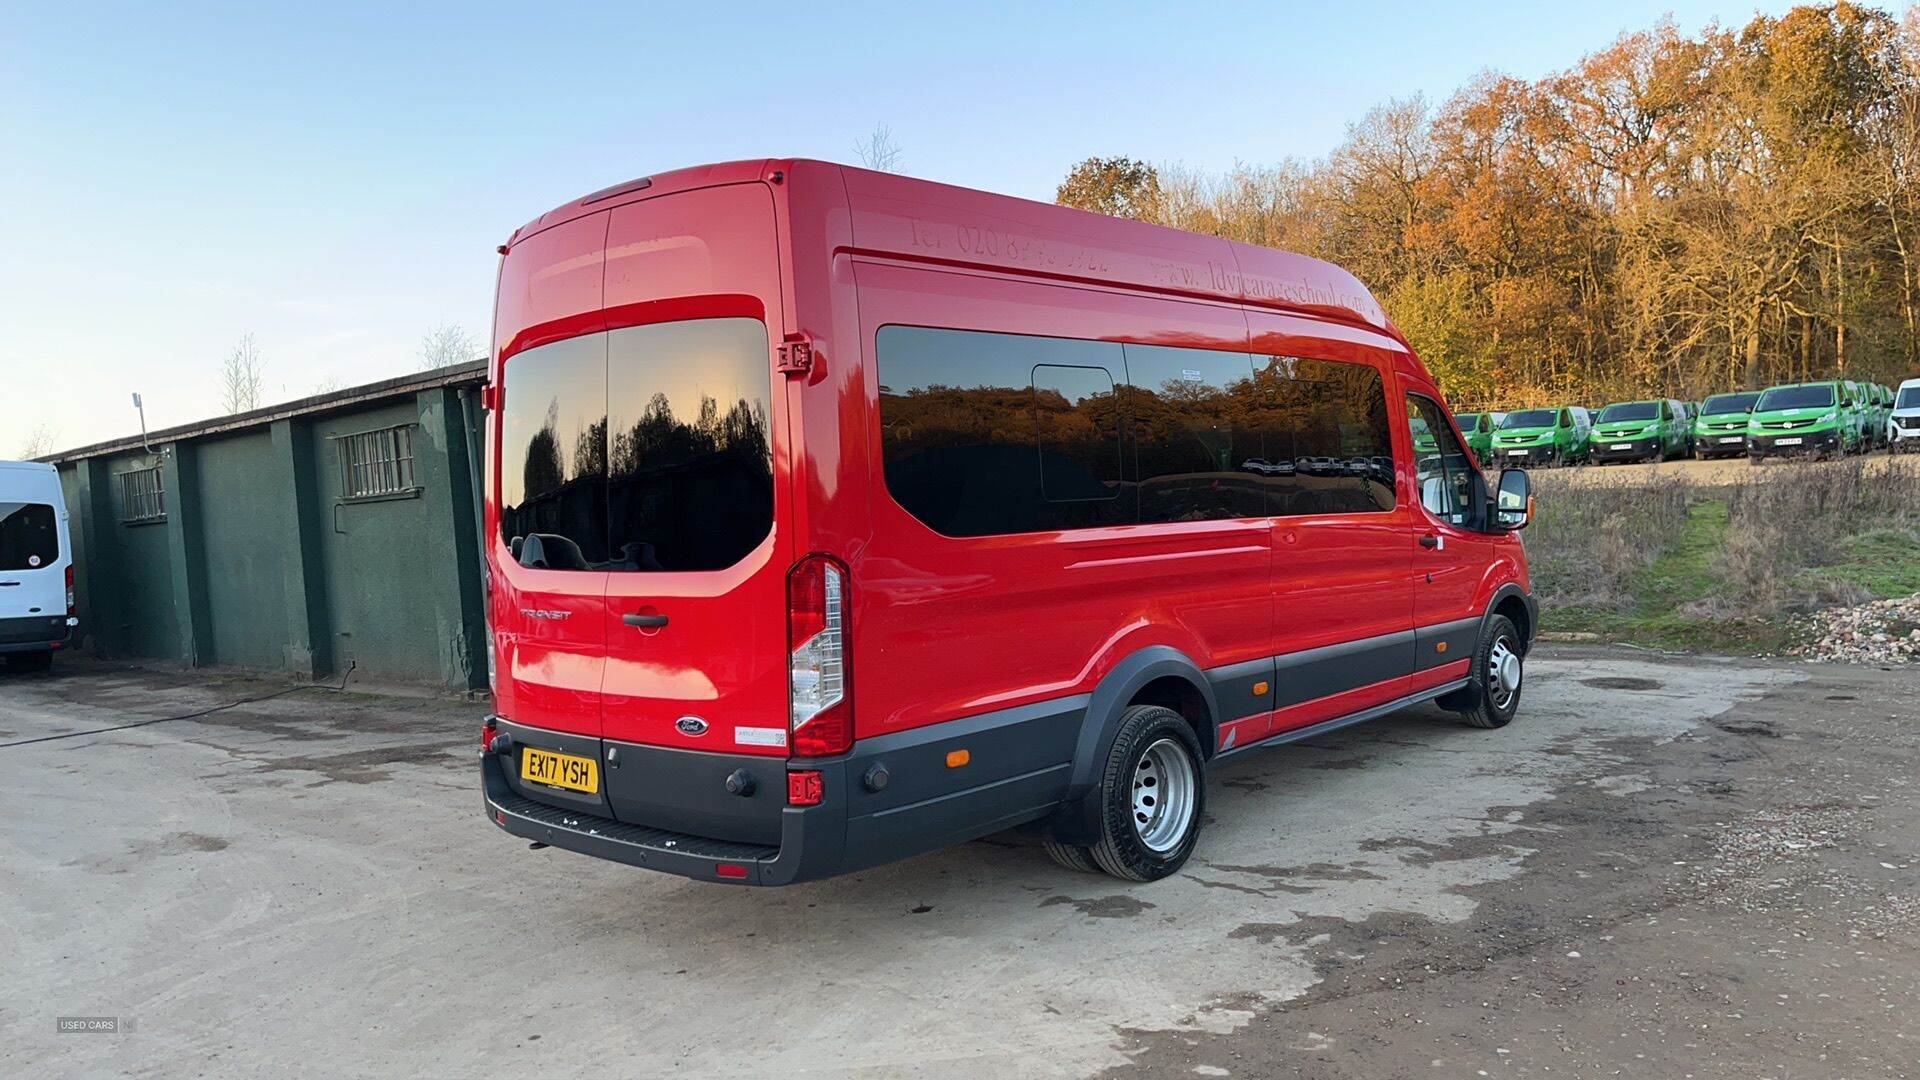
column 1163, row 795
column 1503, row 673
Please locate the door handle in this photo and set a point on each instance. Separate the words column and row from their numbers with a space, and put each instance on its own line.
column 1433, row 540
column 645, row 622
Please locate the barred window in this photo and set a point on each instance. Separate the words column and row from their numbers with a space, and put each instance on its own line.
column 142, row 498
column 378, row 462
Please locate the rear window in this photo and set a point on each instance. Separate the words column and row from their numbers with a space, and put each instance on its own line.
column 1795, row 397
column 28, row 538
column 644, row 449
column 1729, row 403
column 1632, row 410
column 1530, row 418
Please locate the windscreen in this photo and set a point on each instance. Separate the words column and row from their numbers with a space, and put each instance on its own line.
column 28, row 539
column 1729, row 403
column 1632, row 410
column 1795, row 397
column 1909, row 398
column 1531, row 418
column 1468, row 421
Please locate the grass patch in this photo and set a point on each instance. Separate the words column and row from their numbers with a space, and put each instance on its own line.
column 1718, row 569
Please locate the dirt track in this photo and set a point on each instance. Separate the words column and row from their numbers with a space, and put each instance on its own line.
column 1719, row 470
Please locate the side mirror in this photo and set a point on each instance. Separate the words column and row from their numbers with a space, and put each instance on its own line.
column 1513, row 505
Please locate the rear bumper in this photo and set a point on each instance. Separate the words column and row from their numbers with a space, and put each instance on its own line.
column 1021, row 761
column 34, row 633
column 1805, row 442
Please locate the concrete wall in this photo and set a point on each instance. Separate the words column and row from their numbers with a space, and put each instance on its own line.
column 263, row 562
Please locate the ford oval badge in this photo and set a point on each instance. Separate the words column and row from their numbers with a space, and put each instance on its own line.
column 691, row 725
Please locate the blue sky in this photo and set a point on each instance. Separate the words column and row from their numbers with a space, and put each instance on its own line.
column 334, row 179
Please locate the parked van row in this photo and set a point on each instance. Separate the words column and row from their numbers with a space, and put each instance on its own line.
column 835, row 516
column 1840, row 416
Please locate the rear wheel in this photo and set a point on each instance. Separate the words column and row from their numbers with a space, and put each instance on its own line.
column 1152, row 796
column 1071, row 856
column 1497, row 672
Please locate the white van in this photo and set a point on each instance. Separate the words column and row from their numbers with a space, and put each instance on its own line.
column 36, row 566
column 1903, row 424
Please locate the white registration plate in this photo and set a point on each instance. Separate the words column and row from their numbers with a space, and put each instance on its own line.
column 1787, row 442
column 1516, row 453
column 1733, row 438
column 1621, row 446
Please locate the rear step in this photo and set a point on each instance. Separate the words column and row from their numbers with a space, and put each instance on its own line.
column 663, row 842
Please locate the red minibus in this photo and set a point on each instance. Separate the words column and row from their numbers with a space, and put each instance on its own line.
column 834, row 516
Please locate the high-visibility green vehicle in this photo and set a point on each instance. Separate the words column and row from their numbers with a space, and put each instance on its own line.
column 1542, row 436
column 1804, row 418
column 1720, row 425
column 1478, row 428
column 1651, row 430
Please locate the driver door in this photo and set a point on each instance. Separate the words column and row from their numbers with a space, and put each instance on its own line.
column 1450, row 557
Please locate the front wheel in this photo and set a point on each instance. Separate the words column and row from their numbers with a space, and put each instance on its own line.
column 1153, row 796
column 1498, row 669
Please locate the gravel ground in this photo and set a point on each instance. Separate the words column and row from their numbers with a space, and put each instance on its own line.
column 1668, row 867
column 1723, row 470
column 1877, row 632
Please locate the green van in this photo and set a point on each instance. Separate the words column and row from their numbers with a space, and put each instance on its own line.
column 1478, row 428
column 1542, row 436
column 1641, row 431
column 1720, row 428
column 1803, row 418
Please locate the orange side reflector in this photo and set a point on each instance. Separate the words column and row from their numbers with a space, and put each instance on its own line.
column 1259, row 689
column 957, row 758
column 1439, row 646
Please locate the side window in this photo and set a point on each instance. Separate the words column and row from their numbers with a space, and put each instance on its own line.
column 553, row 460
column 1322, row 427
column 690, row 457
column 1197, row 455
column 985, row 434
column 1441, row 468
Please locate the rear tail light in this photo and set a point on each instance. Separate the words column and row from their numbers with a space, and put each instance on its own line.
column 820, row 713
column 487, row 732
column 69, row 588
column 805, row 787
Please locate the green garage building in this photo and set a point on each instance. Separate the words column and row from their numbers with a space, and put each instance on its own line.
column 302, row 538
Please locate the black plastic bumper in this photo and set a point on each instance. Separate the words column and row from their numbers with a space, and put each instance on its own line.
column 1520, row 455
column 1768, row 445
column 892, row 797
column 1715, row 443
column 1629, row 449
column 34, row 633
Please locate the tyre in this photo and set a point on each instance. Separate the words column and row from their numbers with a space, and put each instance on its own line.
column 1497, row 673
column 1071, row 856
column 1153, row 796
column 30, row 661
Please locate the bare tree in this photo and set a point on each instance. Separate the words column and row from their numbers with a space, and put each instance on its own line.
column 240, row 377
column 878, row 151
column 449, row 344
column 38, row 442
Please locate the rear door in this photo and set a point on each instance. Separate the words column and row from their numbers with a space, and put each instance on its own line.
column 33, row 560
column 698, row 475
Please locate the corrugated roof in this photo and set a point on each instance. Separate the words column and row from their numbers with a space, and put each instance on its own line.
column 456, row 374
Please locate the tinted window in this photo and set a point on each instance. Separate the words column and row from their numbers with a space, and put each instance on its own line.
column 1909, row 398
column 971, row 422
column 28, row 539
column 1467, row 421
column 1189, row 413
column 1321, row 427
column 1529, row 418
column 553, row 454
column 690, row 462
column 1632, row 410
column 1795, row 397
column 1729, row 403
column 1442, row 469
